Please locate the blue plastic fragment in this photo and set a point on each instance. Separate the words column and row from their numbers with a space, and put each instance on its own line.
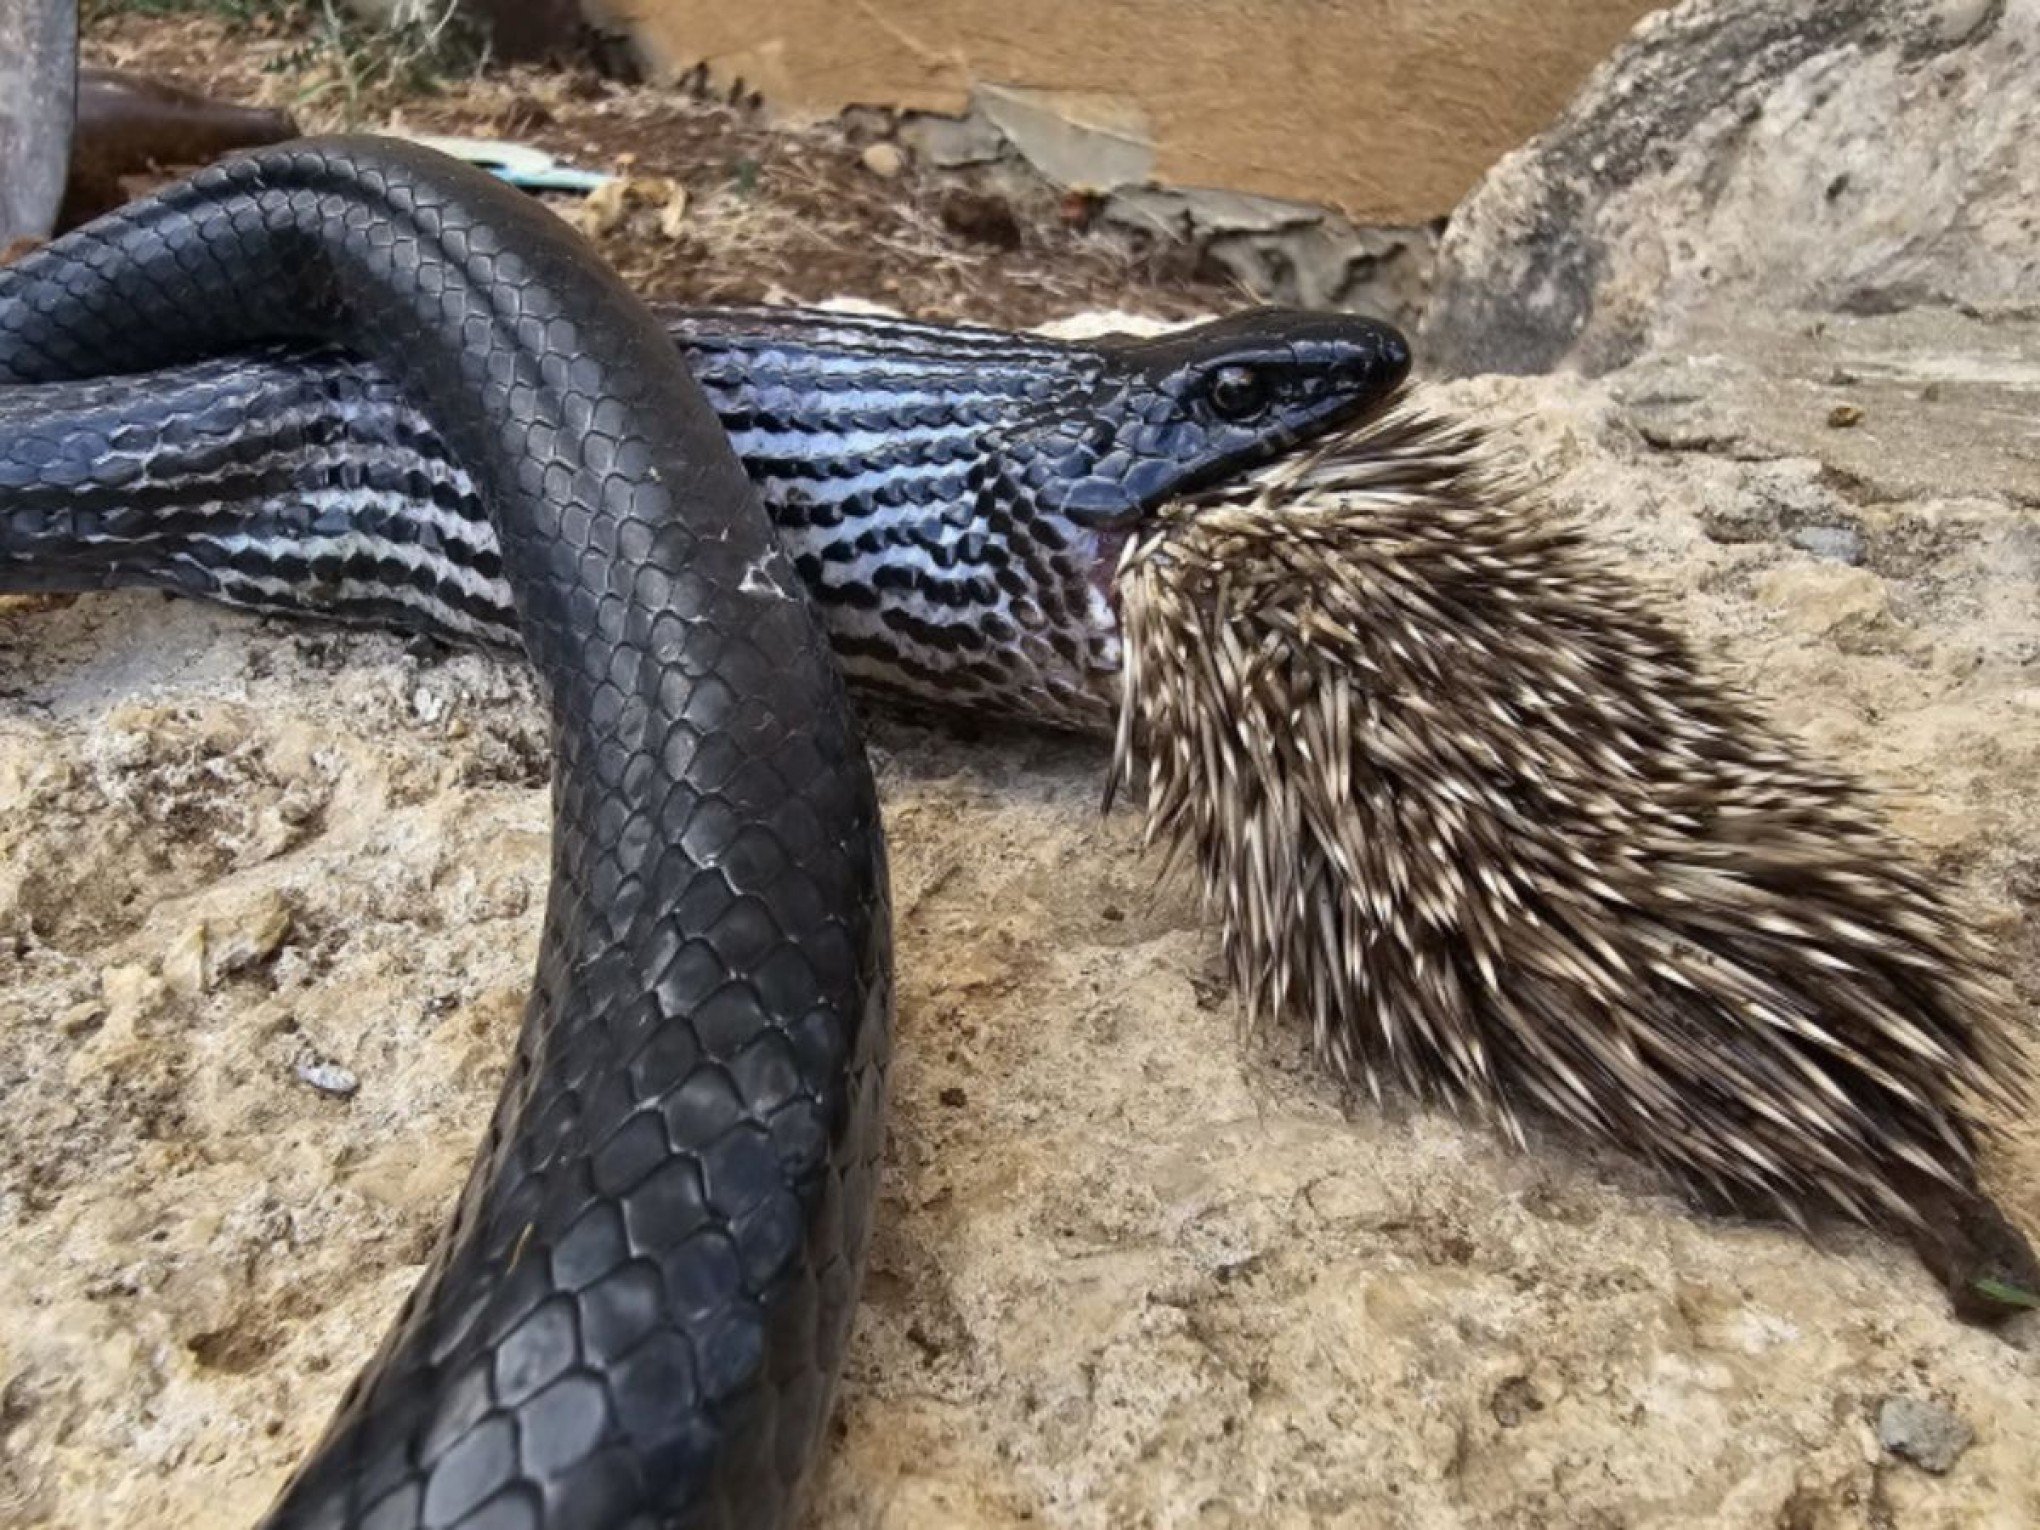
column 525, row 167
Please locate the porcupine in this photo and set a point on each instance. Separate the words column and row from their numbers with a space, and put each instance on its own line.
column 1463, row 800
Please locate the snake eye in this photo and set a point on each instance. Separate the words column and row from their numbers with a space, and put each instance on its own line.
column 1238, row 393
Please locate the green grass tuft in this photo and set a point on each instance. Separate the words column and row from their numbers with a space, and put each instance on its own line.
column 2011, row 1296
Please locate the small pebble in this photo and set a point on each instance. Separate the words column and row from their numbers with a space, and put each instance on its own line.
column 184, row 963
column 1927, row 1434
column 1844, row 417
column 884, row 159
column 1514, row 1401
column 1838, row 544
column 673, row 216
column 82, row 1019
column 329, row 1079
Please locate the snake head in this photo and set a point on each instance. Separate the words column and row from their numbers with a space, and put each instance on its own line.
column 1201, row 404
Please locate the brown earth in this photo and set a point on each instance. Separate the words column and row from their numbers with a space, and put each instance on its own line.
column 1387, row 109
column 768, row 213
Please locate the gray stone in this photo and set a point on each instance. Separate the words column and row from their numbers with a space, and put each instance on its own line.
column 1289, row 252
column 950, row 142
column 1075, row 140
column 1210, row 212
column 38, row 94
column 1927, row 1434
column 1293, row 253
column 329, row 1079
column 1855, row 157
column 1838, row 544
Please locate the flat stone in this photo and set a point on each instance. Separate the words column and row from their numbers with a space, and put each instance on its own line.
column 1086, row 141
column 952, row 142
column 1927, row 1434
column 1837, row 544
column 1289, row 253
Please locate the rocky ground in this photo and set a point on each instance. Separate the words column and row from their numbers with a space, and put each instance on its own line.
column 270, row 897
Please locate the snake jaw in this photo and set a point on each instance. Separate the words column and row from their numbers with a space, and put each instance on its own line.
column 1108, row 555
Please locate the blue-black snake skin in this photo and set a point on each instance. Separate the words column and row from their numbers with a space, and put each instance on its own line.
column 638, row 1311
column 954, row 498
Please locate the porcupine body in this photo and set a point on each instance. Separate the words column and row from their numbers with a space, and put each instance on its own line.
column 1464, row 800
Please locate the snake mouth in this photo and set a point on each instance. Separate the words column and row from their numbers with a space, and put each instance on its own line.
column 1109, row 553
column 1397, row 445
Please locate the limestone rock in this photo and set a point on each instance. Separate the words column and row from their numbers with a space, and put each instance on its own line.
column 1131, row 1266
column 1825, row 599
column 1858, row 156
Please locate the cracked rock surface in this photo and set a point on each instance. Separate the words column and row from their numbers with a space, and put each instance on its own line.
column 1856, row 156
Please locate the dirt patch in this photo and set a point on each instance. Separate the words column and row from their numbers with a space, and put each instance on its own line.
column 771, row 213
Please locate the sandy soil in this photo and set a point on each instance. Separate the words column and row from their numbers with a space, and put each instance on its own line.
column 1133, row 1269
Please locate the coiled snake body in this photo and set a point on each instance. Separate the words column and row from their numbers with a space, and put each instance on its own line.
column 636, row 1315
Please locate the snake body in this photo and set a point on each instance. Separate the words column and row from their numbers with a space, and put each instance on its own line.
column 953, row 497
column 636, row 1315
column 656, row 1255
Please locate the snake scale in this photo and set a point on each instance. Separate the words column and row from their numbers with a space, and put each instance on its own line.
column 636, row 1314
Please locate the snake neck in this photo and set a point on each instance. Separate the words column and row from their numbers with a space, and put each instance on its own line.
column 913, row 472
column 955, row 498
column 902, row 464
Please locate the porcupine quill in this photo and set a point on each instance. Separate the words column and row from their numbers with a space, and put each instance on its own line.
column 1462, row 800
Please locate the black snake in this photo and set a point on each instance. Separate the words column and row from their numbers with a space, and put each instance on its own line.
column 637, row 1313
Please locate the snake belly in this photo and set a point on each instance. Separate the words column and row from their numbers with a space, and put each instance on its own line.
column 637, row 1312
